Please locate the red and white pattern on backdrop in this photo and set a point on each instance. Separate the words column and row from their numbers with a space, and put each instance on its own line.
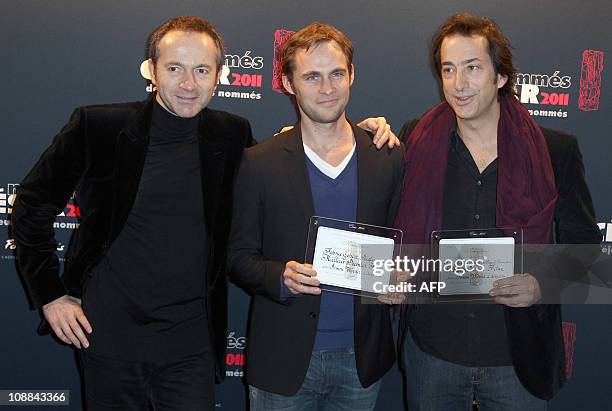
column 590, row 80
column 569, row 338
column 280, row 36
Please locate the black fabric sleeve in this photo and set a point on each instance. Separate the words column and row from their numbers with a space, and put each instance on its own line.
column 41, row 196
column 247, row 266
column 576, row 235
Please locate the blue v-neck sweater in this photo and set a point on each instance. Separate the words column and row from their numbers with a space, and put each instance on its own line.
column 335, row 198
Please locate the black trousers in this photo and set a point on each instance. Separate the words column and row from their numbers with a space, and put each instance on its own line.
column 183, row 384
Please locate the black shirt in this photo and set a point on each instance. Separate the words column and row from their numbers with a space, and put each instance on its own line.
column 146, row 297
column 466, row 334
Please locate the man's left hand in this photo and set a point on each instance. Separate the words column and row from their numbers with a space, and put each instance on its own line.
column 382, row 131
column 520, row 290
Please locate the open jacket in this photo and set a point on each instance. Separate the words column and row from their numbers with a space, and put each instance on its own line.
column 270, row 227
column 100, row 154
column 535, row 333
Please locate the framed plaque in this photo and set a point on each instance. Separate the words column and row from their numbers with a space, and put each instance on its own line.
column 468, row 262
column 349, row 256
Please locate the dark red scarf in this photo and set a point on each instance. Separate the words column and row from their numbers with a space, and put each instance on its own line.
column 526, row 194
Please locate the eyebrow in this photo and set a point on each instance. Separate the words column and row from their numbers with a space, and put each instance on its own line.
column 311, row 73
column 464, row 62
column 176, row 63
column 318, row 73
column 342, row 69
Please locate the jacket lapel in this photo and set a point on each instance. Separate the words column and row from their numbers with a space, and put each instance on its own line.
column 130, row 153
column 365, row 165
column 297, row 173
column 365, row 188
column 295, row 165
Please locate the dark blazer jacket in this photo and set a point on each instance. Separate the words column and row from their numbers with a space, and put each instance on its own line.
column 100, row 153
column 272, row 209
column 535, row 333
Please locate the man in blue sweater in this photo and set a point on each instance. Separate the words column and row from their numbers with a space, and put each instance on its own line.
column 309, row 347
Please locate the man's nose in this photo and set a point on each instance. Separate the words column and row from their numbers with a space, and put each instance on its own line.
column 460, row 80
column 188, row 82
column 326, row 86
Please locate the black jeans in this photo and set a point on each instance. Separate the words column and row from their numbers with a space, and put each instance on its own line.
column 184, row 384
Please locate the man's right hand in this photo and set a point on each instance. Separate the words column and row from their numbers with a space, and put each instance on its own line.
column 66, row 318
column 300, row 278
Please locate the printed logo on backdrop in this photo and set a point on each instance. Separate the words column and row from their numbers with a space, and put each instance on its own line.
column 7, row 250
column 7, row 198
column 590, row 80
column 67, row 219
column 235, row 358
column 241, row 76
column 552, row 93
column 10, row 246
column 606, row 231
column 280, row 37
column 569, row 338
column 601, row 269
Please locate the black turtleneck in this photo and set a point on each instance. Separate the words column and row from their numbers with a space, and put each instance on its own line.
column 146, row 298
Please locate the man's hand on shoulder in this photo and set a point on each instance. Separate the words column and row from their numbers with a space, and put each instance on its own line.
column 282, row 130
column 520, row 290
column 300, row 278
column 66, row 318
column 382, row 131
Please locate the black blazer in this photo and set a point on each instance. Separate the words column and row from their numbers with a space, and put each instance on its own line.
column 270, row 226
column 100, row 153
column 535, row 333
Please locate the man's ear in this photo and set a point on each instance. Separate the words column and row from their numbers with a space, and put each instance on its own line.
column 287, row 85
column 501, row 80
column 219, row 72
column 152, row 71
column 352, row 74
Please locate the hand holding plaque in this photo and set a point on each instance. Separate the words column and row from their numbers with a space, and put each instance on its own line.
column 520, row 290
column 344, row 253
column 301, row 278
column 473, row 262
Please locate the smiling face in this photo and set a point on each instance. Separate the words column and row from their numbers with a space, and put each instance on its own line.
column 185, row 73
column 468, row 78
column 321, row 82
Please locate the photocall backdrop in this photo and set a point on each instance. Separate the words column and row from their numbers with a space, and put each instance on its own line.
column 60, row 55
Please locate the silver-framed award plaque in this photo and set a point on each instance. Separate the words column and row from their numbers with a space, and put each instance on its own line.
column 349, row 256
column 470, row 261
